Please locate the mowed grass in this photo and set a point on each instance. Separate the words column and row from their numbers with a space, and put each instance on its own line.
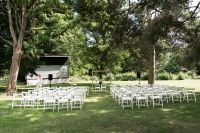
column 180, row 83
column 101, row 114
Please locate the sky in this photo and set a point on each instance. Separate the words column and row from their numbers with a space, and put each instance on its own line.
column 193, row 3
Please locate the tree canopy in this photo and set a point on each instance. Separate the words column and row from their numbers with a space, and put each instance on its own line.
column 119, row 35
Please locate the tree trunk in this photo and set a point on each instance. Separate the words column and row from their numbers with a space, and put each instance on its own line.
column 152, row 62
column 17, row 44
column 14, row 70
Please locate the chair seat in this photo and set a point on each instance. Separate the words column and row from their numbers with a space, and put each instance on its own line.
column 155, row 97
column 126, row 98
column 49, row 100
column 63, row 100
column 141, row 98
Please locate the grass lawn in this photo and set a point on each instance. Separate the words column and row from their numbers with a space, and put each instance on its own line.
column 180, row 83
column 102, row 115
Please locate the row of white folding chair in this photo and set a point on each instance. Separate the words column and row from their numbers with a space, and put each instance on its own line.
column 160, row 97
column 17, row 100
column 167, row 94
column 127, row 99
column 30, row 98
column 189, row 94
column 73, row 100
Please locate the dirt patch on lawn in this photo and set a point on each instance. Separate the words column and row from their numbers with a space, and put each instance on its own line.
column 4, row 97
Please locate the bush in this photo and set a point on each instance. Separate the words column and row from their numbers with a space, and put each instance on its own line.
column 74, row 78
column 170, row 76
column 144, row 76
column 86, row 77
column 192, row 74
column 108, row 77
column 197, row 67
column 165, row 76
column 182, row 76
column 126, row 76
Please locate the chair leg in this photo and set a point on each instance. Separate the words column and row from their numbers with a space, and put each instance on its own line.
column 153, row 103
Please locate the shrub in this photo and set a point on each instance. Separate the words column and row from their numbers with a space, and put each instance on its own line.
column 182, row 76
column 197, row 67
column 95, row 78
column 192, row 74
column 144, row 76
column 108, row 77
column 165, row 76
column 173, row 65
column 170, row 76
column 126, row 76
column 74, row 78
column 118, row 76
column 85, row 77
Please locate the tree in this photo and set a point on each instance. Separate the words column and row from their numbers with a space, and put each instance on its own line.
column 17, row 26
column 101, row 20
column 57, row 31
column 161, row 20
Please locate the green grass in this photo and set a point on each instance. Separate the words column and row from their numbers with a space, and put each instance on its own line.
column 179, row 83
column 101, row 114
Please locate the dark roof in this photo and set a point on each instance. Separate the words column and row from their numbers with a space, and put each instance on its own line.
column 52, row 56
column 54, row 60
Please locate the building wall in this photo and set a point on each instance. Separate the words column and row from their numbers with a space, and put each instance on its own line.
column 59, row 72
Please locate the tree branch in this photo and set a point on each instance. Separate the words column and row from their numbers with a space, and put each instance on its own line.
column 23, row 22
column 33, row 2
column 195, row 10
column 16, row 20
column 5, row 40
column 191, row 17
column 13, row 34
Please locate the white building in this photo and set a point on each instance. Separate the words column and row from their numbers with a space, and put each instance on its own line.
column 58, row 66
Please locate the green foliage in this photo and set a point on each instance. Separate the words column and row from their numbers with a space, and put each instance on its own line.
column 5, row 40
column 179, row 76
column 100, row 20
column 86, row 78
column 165, row 76
column 74, row 78
column 56, row 31
column 182, row 76
column 174, row 65
column 197, row 67
column 192, row 74
column 170, row 63
column 129, row 76
column 144, row 76
column 28, row 66
column 192, row 35
column 104, row 35
column 109, row 77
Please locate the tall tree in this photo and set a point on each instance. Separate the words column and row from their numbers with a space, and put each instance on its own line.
column 57, row 31
column 161, row 20
column 17, row 26
column 100, row 20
